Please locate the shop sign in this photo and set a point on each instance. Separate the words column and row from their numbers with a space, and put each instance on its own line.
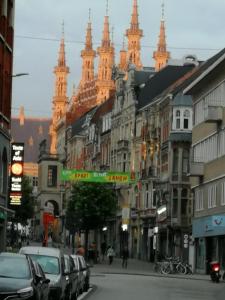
column 95, row 176
column 162, row 213
column 17, row 160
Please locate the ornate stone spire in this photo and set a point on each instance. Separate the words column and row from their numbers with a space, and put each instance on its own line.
column 161, row 56
column 134, row 35
column 105, row 84
column 88, row 55
column 60, row 98
column 62, row 56
column 134, row 18
column 123, row 57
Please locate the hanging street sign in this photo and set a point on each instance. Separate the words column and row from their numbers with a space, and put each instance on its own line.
column 95, row 176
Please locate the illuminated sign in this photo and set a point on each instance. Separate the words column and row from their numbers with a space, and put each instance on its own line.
column 95, row 176
column 17, row 159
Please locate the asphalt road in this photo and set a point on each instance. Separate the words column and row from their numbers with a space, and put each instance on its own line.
column 136, row 287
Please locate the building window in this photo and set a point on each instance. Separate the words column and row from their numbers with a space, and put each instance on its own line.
column 175, row 203
column 199, row 200
column 212, row 196
column 52, row 176
column 186, row 119
column 184, row 202
column 34, row 181
column 223, row 193
column 177, row 119
column 185, row 161
column 175, row 161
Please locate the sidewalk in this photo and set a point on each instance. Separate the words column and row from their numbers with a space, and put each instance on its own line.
column 138, row 267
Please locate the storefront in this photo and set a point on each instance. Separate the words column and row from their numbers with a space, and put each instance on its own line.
column 209, row 234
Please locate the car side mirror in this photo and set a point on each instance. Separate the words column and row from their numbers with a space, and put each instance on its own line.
column 38, row 278
column 46, row 281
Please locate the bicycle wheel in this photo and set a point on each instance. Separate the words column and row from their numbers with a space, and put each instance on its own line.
column 165, row 269
column 181, row 269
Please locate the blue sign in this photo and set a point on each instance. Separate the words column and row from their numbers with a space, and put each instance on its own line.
column 209, row 226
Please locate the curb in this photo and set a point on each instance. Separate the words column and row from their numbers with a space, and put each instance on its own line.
column 153, row 275
column 89, row 293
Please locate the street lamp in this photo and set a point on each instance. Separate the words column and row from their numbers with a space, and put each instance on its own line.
column 20, row 74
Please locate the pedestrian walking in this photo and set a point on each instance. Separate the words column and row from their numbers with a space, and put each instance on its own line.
column 110, row 254
column 125, row 256
column 103, row 250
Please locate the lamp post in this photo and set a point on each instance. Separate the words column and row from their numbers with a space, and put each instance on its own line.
column 20, row 74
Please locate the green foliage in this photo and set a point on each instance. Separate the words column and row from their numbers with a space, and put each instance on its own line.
column 91, row 204
column 26, row 210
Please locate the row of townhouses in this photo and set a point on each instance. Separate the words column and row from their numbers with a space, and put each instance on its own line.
column 165, row 125
column 167, row 128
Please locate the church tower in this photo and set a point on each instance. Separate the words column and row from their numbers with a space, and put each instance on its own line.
column 88, row 55
column 134, row 35
column 60, row 98
column 161, row 56
column 104, row 83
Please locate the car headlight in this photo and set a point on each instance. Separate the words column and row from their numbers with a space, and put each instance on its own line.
column 26, row 293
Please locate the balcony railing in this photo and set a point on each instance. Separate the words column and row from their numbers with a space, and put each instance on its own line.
column 213, row 114
column 196, row 169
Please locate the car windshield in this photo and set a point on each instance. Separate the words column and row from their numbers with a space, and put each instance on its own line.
column 49, row 264
column 14, row 267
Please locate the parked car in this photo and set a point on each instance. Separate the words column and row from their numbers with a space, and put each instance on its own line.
column 83, row 272
column 52, row 262
column 70, row 269
column 78, row 267
column 20, row 278
column 86, row 272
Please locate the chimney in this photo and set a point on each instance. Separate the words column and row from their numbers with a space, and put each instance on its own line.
column 21, row 115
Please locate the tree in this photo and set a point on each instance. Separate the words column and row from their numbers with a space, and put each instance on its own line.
column 26, row 210
column 90, row 206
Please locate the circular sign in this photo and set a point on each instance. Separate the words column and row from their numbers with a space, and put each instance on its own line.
column 17, row 169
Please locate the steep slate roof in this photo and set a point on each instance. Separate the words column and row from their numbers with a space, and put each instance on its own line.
column 161, row 81
column 205, row 65
column 34, row 130
column 77, row 127
column 103, row 109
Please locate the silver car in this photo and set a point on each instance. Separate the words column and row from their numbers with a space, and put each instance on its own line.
column 52, row 261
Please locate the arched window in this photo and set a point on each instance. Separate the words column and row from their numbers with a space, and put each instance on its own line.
column 178, row 119
column 186, row 119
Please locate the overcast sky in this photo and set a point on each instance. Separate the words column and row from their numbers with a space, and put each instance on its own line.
column 192, row 27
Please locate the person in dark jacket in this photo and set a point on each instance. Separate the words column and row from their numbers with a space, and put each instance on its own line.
column 125, row 256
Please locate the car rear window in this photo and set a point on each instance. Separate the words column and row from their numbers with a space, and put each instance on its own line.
column 14, row 267
column 49, row 264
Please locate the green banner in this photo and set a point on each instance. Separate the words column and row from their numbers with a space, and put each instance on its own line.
column 95, row 176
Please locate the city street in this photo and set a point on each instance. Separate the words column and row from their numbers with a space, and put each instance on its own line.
column 132, row 287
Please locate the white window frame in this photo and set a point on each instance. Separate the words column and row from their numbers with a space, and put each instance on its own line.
column 212, row 192
column 179, row 114
column 199, row 204
column 222, row 199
